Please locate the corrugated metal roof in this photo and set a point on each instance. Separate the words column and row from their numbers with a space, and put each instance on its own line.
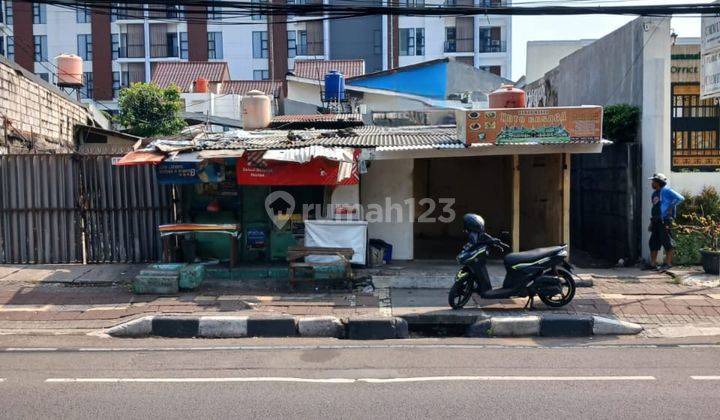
column 242, row 87
column 317, row 69
column 183, row 73
column 316, row 121
column 317, row 117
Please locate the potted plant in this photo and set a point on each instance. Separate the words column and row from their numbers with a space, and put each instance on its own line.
column 709, row 228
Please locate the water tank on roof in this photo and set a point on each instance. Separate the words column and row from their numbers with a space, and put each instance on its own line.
column 256, row 110
column 70, row 70
column 334, row 87
column 507, row 96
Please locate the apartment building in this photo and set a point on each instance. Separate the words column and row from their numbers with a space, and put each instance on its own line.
column 124, row 45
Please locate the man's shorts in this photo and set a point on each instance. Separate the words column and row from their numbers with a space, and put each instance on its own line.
column 661, row 236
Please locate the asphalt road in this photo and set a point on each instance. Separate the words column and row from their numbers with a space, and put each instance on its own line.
column 95, row 378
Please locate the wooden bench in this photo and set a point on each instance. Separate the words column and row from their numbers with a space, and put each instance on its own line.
column 296, row 255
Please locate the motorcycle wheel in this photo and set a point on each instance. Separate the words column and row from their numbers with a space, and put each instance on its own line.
column 567, row 291
column 461, row 291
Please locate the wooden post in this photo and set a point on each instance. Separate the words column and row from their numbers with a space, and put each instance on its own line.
column 516, row 203
column 566, row 198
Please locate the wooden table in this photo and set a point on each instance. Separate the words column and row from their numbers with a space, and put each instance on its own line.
column 233, row 231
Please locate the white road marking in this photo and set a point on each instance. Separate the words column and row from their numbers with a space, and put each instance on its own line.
column 507, row 378
column 2, row 379
column 706, row 378
column 351, row 380
column 199, row 380
column 22, row 349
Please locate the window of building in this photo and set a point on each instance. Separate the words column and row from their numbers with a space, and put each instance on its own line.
column 407, row 41
column 40, row 48
column 133, row 41
column 87, row 89
column 162, row 42
column 215, row 45
column 44, row 76
column 116, row 84
column 412, row 3
column 125, row 11
column 2, row 45
column 261, row 74
column 292, row 43
column 2, row 11
column 133, row 73
column 301, row 42
column 184, row 45
column 260, row 44
column 412, row 41
column 214, row 11
column 39, row 13
column 490, row 40
column 9, row 17
column 257, row 16
column 695, row 135
column 83, row 15
column 84, row 46
column 10, row 51
column 115, row 46
column 315, row 38
column 450, row 39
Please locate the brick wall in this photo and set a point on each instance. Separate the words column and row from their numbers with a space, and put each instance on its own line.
column 39, row 113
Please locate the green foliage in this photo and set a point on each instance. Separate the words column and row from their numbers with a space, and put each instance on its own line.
column 687, row 248
column 699, row 222
column 146, row 110
column 621, row 122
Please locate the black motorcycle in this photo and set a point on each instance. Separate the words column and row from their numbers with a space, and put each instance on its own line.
column 542, row 272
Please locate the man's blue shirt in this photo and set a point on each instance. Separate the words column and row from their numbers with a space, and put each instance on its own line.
column 669, row 199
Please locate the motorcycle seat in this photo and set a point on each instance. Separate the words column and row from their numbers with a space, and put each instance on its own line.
column 532, row 255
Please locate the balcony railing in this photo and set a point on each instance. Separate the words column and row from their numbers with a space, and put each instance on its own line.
column 492, row 46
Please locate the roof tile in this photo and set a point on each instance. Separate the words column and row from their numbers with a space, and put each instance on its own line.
column 183, row 73
column 241, row 87
column 317, row 69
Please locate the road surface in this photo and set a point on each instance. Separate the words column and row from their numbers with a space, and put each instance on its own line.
column 155, row 378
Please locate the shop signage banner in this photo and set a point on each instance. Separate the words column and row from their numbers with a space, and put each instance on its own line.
column 189, row 173
column 318, row 171
column 532, row 125
column 710, row 50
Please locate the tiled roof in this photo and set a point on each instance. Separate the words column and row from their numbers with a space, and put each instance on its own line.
column 241, row 87
column 183, row 73
column 317, row 121
column 317, row 69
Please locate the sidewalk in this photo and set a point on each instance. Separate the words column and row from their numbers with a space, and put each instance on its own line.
column 80, row 299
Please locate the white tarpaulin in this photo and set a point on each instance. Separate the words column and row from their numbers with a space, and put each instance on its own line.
column 306, row 154
column 337, row 234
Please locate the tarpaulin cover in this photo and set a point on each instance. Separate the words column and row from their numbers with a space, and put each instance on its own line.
column 337, row 234
column 319, row 171
column 140, row 158
column 183, row 173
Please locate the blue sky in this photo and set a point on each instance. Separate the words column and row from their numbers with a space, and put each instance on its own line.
column 537, row 28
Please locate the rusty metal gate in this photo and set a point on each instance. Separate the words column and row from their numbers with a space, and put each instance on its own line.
column 54, row 208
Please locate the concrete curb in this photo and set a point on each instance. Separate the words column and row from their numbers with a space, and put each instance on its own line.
column 551, row 325
column 378, row 328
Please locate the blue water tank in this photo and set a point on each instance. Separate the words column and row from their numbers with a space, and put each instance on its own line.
column 334, row 86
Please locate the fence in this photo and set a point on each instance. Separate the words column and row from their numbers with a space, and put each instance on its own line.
column 47, row 202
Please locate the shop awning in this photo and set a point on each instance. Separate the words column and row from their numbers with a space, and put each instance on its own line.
column 318, row 171
column 140, row 158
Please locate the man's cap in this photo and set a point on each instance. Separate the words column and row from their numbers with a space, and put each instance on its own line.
column 659, row 177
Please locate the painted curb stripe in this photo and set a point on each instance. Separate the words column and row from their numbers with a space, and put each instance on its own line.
column 706, row 378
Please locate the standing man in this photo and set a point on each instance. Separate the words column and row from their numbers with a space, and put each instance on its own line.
column 664, row 202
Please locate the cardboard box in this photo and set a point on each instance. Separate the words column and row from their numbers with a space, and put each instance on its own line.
column 531, row 125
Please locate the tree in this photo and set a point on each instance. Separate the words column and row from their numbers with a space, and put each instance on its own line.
column 146, row 110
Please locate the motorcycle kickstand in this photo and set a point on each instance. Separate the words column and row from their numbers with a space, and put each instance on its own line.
column 529, row 305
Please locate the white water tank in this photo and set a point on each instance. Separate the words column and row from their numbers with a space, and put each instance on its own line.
column 256, row 110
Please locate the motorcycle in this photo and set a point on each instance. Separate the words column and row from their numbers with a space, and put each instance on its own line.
column 542, row 272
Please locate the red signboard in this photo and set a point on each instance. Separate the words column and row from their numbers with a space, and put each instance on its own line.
column 319, row 171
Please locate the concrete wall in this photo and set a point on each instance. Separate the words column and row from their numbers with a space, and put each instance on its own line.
column 630, row 65
column 354, row 38
column 542, row 56
column 40, row 113
column 393, row 180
